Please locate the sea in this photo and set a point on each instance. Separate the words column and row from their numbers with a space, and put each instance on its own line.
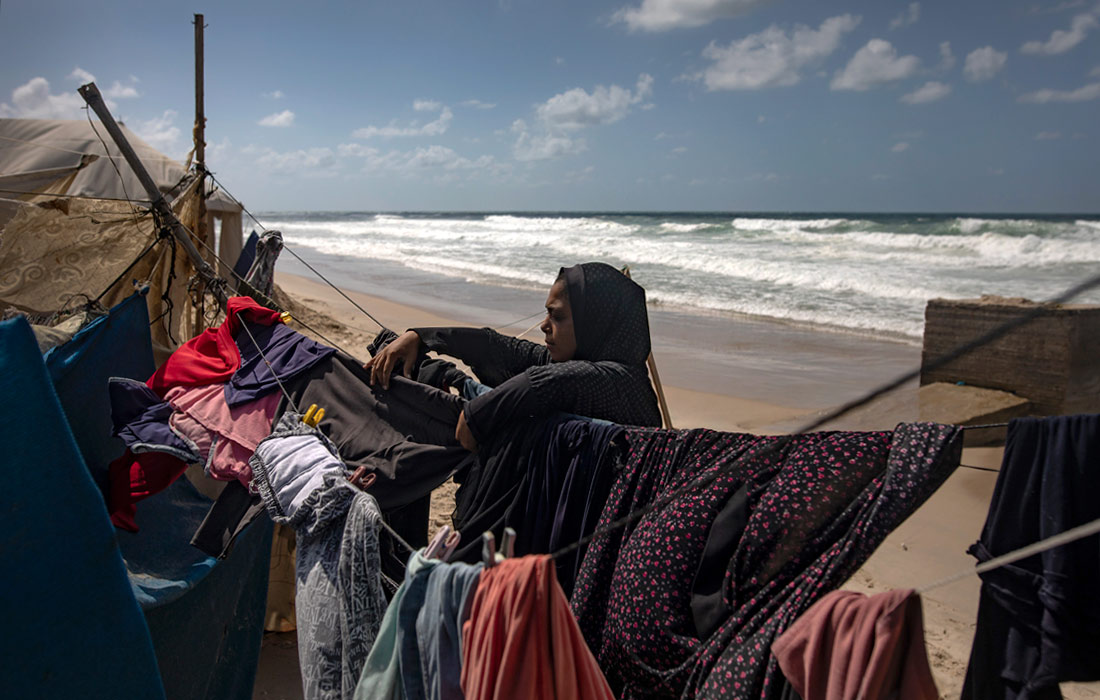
column 851, row 273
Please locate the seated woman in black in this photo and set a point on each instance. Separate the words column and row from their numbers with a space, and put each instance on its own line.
column 593, row 363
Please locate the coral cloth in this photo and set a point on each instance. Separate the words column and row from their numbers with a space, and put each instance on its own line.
column 233, row 432
column 848, row 646
column 212, row 356
column 522, row 641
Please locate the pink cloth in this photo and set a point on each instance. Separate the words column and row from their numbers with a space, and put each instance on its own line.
column 522, row 641
column 226, row 437
column 849, row 646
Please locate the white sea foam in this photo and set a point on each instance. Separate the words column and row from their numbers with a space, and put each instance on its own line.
column 857, row 273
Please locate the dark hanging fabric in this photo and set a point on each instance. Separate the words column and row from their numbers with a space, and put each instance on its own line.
column 492, row 492
column 405, row 435
column 233, row 510
column 270, row 354
column 817, row 506
column 1039, row 618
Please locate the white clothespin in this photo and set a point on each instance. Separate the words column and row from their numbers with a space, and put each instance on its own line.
column 507, row 545
column 450, row 544
column 488, row 550
column 437, row 544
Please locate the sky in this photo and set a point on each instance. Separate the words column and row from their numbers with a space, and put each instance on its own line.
column 594, row 105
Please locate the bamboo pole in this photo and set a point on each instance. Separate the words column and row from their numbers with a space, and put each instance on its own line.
column 652, row 364
column 199, row 136
column 94, row 98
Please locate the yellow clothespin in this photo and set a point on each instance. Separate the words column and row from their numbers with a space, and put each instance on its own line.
column 285, row 317
column 313, row 415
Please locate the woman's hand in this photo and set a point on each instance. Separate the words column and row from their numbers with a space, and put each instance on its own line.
column 403, row 349
column 463, row 434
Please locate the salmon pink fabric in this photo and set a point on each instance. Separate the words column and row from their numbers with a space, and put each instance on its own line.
column 848, row 646
column 522, row 641
column 212, row 356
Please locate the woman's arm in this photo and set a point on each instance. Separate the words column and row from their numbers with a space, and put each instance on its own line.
column 494, row 357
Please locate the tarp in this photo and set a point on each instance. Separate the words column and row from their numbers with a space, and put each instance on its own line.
column 205, row 618
column 72, row 628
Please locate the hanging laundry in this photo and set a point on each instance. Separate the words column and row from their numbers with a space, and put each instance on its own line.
column 521, row 640
column 1038, row 618
column 446, row 607
column 848, row 646
column 226, row 436
column 141, row 420
column 382, row 677
column 338, row 594
column 814, row 508
column 212, row 356
column 404, row 435
column 270, row 353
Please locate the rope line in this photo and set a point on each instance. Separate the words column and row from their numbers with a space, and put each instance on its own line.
column 1062, row 538
column 39, row 144
column 76, row 196
column 300, row 259
column 959, row 351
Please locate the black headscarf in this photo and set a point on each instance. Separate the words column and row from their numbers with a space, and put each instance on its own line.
column 609, row 314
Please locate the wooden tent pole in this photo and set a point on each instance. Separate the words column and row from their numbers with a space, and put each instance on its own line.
column 652, row 364
column 199, row 136
column 94, row 98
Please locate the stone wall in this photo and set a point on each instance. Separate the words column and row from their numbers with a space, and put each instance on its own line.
column 1053, row 361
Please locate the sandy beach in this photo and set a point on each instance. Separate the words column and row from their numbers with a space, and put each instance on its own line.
column 736, row 375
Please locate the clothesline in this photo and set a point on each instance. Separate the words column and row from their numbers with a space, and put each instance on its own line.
column 1062, row 538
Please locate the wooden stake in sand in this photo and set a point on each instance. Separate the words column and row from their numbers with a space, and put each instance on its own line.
column 656, row 377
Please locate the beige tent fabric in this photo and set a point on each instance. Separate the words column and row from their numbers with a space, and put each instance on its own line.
column 58, row 254
column 31, row 145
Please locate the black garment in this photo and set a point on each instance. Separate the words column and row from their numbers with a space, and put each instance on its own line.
column 606, row 379
column 1039, row 618
column 233, row 510
column 405, row 435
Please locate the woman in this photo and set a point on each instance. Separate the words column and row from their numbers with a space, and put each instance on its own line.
column 593, row 363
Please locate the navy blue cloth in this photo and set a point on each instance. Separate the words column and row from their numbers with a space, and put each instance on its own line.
column 140, row 419
column 115, row 345
column 270, row 354
column 246, row 258
column 71, row 625
column 1039, row 618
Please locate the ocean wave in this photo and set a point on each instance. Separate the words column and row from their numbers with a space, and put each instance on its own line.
column 784, row 225
column 673, row 227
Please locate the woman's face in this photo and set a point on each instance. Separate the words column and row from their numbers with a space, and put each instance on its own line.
column 558, row 326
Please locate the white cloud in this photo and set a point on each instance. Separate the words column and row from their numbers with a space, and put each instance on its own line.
column 947, row 59
column 1048, row 135
column 558, row 60
column 426, row 105
column 929, row 92
column 32, row 100
column 309, row 162
column 1095, row 72
column 434, row 157
column 432, row 128
column 984, row 63
column 478, row 104
column 1062, row 40
column 275, row 94
column 160, row 132
column 663, row 15
column 279, row 119
column 679, row 150
column 910, row 16
column 874, row 64
column 81, row 75
column 1081, row 94
column 576, row 108
column 121, row 92
column 772, row 57
column 900, row 147
column 544, row 146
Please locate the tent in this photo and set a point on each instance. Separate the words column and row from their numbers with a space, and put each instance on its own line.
column 68, row 158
